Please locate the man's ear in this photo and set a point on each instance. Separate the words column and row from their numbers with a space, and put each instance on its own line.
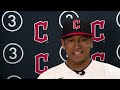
column 63, row 44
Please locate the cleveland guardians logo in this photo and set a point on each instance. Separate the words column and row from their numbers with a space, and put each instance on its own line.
column 76, row 24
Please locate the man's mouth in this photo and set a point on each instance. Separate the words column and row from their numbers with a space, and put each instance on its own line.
column 78, row 53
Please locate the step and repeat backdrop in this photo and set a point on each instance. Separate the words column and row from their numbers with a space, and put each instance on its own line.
column 30, row 41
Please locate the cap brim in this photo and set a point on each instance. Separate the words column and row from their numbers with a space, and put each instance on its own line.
column 77, row 33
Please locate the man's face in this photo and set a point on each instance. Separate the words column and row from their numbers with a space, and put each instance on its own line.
column 77, row 47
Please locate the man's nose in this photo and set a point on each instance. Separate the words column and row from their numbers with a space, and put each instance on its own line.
column 77, row 44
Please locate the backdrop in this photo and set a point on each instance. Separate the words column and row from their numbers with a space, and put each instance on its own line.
column 30, row 40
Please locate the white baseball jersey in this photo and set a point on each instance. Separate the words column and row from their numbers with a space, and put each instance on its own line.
column 95, row 70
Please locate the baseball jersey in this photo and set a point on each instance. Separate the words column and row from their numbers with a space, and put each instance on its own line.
column 95, row 70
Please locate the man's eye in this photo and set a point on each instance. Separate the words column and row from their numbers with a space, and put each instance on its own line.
column 71, row 40
column 84, row 39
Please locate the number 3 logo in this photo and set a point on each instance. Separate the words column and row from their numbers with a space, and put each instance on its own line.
column 13, row 53
column 12, row 21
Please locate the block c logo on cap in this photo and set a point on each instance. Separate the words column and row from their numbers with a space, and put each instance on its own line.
column 76, row 24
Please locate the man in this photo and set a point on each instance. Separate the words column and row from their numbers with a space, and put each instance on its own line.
column 77, row 42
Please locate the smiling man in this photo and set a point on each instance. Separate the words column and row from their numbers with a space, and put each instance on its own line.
column 77, row 42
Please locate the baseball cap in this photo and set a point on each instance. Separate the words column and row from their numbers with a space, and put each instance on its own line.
column 75, row 26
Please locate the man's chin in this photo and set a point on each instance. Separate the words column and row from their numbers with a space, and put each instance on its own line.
column 78, row 60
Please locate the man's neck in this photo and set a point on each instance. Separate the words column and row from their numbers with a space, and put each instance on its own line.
column 78, row 66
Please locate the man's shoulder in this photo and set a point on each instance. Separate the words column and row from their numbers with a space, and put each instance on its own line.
column 52, row 72
column 105, row 65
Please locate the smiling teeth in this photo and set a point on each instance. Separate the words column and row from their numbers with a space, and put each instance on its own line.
column 77, row 53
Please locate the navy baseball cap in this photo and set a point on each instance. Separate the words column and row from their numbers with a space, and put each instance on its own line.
column 76, row 26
